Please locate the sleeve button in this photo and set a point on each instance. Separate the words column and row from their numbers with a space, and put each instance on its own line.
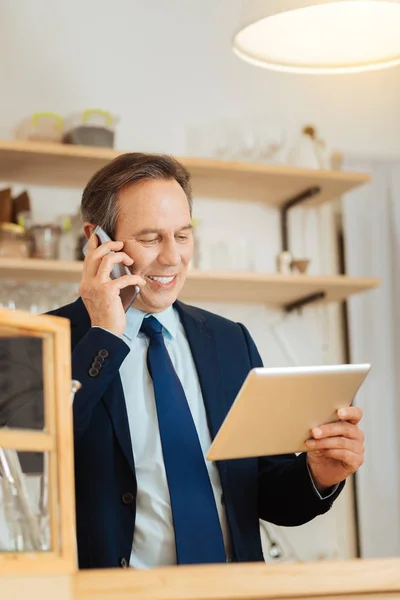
column 103, row 353
column 93, row 372
column 97, row 365
column 127, row 498
column 124, row 563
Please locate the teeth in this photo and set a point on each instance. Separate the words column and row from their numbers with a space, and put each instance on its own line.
column 162, row 279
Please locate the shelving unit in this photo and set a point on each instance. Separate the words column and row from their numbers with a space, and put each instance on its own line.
column 283, row 291
column 279, row 186
column 39, row 163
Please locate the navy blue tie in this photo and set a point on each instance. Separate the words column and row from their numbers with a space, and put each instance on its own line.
column 198, row 535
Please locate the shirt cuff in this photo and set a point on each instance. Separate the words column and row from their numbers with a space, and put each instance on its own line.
column 104, row 329
column 330, row 491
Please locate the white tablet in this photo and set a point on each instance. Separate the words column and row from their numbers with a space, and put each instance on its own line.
column 276, row 409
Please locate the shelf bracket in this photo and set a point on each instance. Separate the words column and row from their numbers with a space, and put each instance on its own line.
column 295, row 201
column 299, row 304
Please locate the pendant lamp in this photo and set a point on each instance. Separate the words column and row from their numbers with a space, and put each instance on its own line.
column 319, row 36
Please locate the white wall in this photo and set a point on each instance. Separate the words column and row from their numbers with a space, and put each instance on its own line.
column 160, row 64
column 372, row 226
column 163, row 65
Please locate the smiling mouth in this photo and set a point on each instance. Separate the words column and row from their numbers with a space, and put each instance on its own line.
column 162, row 281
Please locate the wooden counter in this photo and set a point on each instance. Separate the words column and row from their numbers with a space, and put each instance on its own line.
column 358, row 580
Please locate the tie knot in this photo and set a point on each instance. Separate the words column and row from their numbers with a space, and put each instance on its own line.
column 151, row 327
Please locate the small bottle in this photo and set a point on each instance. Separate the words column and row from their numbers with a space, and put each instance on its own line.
column 284, row 263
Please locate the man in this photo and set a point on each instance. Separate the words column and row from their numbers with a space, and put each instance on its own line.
column 157, row 383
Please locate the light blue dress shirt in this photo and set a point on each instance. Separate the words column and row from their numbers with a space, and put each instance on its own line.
column 154, row 541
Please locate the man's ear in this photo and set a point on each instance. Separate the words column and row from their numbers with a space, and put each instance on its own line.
column 88, row 228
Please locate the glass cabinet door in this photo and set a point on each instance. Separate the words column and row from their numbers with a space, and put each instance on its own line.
column 36, row 464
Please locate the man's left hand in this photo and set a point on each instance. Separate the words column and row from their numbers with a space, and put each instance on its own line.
column 336, row 449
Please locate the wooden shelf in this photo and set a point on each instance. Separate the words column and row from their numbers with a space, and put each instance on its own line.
column 72, row 166
column 243, row 287
column 61, row 165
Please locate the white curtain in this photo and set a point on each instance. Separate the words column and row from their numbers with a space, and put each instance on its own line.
column 372, row 239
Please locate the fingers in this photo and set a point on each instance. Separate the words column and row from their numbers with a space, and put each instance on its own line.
column 127, row 280
column 337, row 443
column 107, row 263
column 350, row 460
column 96, row 252
column 338, row 429
column 353, row 414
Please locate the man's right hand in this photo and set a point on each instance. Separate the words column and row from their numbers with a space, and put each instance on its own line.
column 100, row 293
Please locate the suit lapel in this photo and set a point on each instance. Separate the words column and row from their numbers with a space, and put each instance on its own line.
column 205, row 354
column 113, row 399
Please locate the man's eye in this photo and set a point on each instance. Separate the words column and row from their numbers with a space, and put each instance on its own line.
column 148, row 241
column 182, row 238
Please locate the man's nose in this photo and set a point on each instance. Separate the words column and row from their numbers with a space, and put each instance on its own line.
column 169, row 254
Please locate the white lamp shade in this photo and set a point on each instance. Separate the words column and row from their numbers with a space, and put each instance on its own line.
column 320, row 36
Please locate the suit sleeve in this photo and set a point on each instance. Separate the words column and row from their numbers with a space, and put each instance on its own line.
column 287, row 495
column 96, row 360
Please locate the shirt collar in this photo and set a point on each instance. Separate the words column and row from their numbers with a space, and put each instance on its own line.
column 134, row 318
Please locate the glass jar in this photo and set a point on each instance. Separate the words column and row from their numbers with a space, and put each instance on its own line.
column 45, row 241
column 13, row 241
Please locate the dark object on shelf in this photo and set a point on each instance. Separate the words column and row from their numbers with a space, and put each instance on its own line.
column 93, row 127
column 21, row 204
column 5, row 206
column 300, row 264
column 89, row 135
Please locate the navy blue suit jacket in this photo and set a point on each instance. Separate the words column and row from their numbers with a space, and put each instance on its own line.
column 277, row 489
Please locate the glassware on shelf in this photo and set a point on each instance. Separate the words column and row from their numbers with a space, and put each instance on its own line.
column 41, row 127
column 9, row 294
column 68, row 241
column 40, row 300
column 271, row 142
column 13, row 241
column 218, row 251
column 245, row 140
column 45, row 241
column 36, row 296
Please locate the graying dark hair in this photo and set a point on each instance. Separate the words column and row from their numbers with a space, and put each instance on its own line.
column 100, row 197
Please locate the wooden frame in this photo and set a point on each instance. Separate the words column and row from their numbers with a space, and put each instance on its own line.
column 56, row 439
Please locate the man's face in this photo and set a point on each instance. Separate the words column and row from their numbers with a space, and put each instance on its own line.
column 155, row 225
